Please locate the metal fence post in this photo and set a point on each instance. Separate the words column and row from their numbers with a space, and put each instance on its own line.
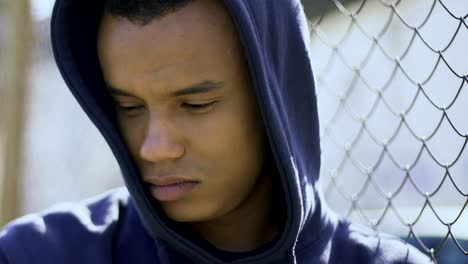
column 13, row 93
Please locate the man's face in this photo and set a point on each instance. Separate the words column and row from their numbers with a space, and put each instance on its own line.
column 186, row 108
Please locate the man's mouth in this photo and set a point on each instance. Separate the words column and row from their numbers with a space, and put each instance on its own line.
column 171, row 189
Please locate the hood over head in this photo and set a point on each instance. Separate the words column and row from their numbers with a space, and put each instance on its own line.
column 275, row 39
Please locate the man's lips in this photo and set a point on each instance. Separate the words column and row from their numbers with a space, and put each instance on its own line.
column 170, row 188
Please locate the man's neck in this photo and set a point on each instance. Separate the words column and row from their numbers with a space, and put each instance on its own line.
column 251, row 225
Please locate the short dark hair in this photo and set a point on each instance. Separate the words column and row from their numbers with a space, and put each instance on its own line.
column 143, row 11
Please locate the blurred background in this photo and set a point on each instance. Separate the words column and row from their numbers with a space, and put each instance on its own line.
column 391, row 78
column 49, row 150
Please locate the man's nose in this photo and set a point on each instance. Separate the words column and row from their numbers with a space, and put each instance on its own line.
column 161, row 142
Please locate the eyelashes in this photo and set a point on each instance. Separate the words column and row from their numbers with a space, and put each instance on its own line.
column 134, row 110
column 131, row 110
column 198, row 107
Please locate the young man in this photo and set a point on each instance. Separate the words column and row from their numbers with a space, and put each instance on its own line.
column 210, row 110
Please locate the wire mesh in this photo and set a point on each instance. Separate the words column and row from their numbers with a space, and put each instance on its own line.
column 392, row 85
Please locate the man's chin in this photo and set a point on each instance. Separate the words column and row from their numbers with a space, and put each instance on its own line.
column 186, row 212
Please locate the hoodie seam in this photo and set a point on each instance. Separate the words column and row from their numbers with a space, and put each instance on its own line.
column 305, row 246
column 287, row 183
column 257, row 39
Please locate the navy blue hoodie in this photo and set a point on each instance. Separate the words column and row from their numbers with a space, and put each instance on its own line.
column 129, row 227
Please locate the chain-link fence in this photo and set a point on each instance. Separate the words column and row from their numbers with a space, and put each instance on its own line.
column 392, row 84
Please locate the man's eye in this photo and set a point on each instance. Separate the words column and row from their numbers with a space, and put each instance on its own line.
column 130, row 109
column 199, row 107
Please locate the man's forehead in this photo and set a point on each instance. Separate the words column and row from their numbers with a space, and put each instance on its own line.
column 207, row 14
column 203, row 22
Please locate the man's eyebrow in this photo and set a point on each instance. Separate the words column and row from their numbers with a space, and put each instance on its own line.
column 203, row 87
column 116, row 91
